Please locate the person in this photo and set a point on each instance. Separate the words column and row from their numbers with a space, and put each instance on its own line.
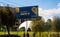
column 24, row 34
column 33, row 34
column 27, row 34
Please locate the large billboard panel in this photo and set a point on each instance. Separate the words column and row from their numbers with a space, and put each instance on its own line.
column 27, row 12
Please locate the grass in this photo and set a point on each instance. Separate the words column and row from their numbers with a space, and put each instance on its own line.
column 21, row 34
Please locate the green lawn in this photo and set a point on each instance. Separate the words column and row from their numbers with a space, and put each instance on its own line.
column 43, row 34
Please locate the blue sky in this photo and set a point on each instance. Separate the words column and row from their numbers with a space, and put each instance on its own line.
column 45, row 4
column 47, row 8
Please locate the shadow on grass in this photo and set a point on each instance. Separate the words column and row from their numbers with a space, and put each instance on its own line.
column 9, row 36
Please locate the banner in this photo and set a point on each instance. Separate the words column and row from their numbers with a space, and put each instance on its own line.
column 26, row 12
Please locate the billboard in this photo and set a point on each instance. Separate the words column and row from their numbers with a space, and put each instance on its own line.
column 26, row 12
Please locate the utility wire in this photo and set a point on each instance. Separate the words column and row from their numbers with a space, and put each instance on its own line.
column 5, row 4
column 12, row 2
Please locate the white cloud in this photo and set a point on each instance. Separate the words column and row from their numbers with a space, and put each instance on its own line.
column 58, row 4
column 47, row 14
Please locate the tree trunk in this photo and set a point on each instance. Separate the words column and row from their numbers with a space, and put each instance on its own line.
column 57, row 34
column 39, row 34
column 8, row 31
column 48, row 34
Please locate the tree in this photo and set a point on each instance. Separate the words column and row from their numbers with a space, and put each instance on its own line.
column 48, row 25
column 38, row 25
column 7, row 18
column 0, row 20
column 56, row 22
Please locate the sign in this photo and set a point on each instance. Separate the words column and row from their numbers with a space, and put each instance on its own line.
column 26, row 12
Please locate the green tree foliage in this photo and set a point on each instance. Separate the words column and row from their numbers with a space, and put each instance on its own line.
column 56, row 22
column 7, row 18
column 38, row 25
column 48, row 25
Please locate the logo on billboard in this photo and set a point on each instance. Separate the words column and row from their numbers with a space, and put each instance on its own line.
column 35, row 10
column 17, row 9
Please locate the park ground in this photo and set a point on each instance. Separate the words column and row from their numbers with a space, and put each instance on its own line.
column 43, row 34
